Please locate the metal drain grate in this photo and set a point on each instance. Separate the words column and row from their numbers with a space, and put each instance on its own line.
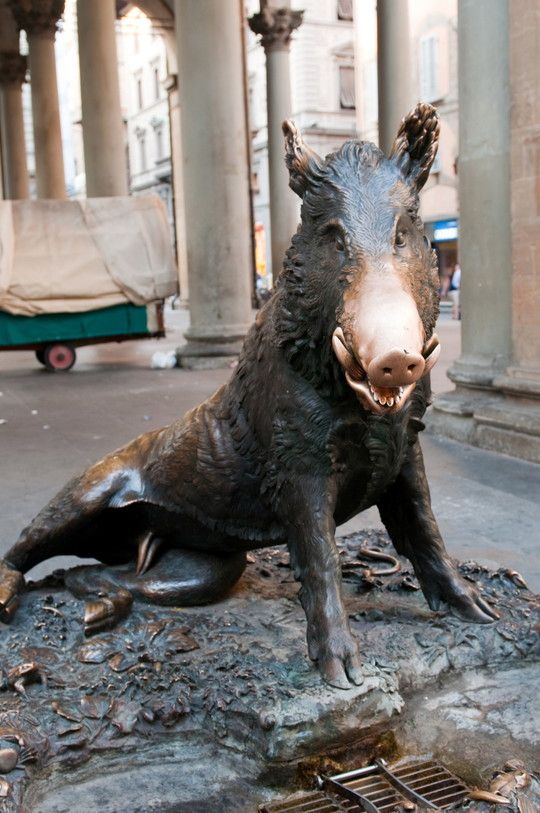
column 380, row 788
column 308, row 803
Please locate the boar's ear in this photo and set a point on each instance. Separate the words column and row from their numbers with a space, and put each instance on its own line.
column 416, row 143
column 303, row 163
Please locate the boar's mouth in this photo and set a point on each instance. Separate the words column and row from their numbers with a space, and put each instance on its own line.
column 378, row 400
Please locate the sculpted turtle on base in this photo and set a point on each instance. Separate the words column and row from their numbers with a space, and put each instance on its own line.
column 318, row 422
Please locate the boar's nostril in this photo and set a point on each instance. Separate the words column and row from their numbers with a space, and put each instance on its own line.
column 395, row 368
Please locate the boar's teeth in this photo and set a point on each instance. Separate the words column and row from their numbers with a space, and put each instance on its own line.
column 389, row 402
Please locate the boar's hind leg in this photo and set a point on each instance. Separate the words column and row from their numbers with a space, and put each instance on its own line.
column 406, row 512
column 307, row 508
column 178, row 578
column 68, row 525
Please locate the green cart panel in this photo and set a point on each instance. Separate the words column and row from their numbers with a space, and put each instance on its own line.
column 118, row 320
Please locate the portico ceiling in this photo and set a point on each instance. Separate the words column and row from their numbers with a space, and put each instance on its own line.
column 159, row 10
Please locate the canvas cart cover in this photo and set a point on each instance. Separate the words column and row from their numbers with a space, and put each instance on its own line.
column 74, row 256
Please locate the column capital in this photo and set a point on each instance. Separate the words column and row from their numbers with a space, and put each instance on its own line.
column 275, row 25
column 38, row 16
column 12, row 68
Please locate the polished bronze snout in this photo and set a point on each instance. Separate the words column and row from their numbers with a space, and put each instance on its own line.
column 396, row 368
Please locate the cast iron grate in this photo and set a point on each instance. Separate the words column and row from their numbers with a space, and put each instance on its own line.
column 380, row 788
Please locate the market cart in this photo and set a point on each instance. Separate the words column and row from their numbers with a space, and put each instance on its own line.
column 75, row 273
column 55, row 336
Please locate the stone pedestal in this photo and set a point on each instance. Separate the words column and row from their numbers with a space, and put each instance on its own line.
column 200, row 709
column 275, row 23
column 15, row 170
column 103, row 128
column 496, row 401
column 39, row 19
column 394, row 68
column 216, row 183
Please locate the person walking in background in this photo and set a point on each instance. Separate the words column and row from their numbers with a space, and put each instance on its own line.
column 455, row 286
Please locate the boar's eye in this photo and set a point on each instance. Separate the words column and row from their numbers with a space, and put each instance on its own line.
column 401, row 238
column 334, row 234
column 339, row 242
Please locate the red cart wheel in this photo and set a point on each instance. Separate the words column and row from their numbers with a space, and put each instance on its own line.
column 59, row 357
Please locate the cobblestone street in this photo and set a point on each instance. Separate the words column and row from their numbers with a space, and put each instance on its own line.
column 53, row 426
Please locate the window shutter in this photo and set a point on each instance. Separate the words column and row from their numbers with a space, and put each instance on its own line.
column 346, row 87
column 345, row 10
column 429, row 68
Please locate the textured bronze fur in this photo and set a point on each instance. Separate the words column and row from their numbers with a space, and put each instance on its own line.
column 284, row 452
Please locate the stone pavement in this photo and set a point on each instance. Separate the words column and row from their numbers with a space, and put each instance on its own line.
column 55, row 425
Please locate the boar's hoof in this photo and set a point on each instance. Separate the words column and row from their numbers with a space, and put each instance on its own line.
column 343, row 670
column 463, row 599
column 11, row 585
column 106, row 611
column 477, row 611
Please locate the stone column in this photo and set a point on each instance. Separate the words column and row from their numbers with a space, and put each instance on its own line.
column 39, row 19
column 216, row 183
column 12, row 75
column 496, row 403
column 15, row 170
column 103, row 128
column 395, row 93
column 275, row 23
column 484, row 190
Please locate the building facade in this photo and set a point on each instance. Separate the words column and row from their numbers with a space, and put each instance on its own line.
column 323, row 100
column 434, row 78
column 142, row 73
column 143, row 58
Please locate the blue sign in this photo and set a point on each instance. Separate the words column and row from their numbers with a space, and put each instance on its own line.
column 445, row 230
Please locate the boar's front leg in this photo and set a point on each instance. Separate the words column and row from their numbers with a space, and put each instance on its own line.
column 307, row 509
column 406, row 512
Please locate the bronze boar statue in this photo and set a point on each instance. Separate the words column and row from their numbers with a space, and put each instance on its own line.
column 319, row 420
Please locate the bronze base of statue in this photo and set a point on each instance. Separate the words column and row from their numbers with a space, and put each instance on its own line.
column 188, row 708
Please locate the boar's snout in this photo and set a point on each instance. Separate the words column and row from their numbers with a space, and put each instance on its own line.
column 396, row 368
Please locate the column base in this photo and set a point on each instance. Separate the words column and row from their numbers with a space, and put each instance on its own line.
column 209, row 350
column 503, row 418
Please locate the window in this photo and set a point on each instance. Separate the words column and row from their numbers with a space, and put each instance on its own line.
column 345, row 10
column 429, row 68
column 139, row 91
column 142, row 153
column 157, row 83
column 159, row 143
column 157, row 126
column 140, row 132
column 346, row 87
